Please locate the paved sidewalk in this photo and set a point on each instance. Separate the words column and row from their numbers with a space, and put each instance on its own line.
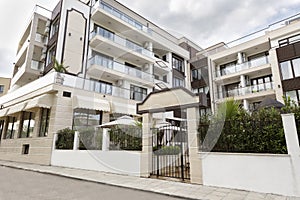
column 177, row 189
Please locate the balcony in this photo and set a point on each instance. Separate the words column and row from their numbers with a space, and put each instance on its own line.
column 98, row 87
column 102, row 66
column 104, row 40
column 234, row 69
column 253, row 91
column 108, row 9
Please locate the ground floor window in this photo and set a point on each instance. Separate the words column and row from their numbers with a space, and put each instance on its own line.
column 11, row 127
column 44, row 122
column 1, row 128
column 27, row 123
column 84, row 118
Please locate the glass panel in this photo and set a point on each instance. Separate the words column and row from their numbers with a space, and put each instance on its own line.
column 293, row 96
column 44, row 122
column 296, row 66
column 286, row 70
column 11, row 128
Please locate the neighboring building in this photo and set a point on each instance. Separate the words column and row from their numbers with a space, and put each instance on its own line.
column 114, row 58
column 4, row 85
column 247, row 69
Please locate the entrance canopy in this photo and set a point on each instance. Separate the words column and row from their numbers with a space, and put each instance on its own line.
column 124, row 120
column 169, row 100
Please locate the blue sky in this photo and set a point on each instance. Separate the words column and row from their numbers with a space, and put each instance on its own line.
column 205, row 22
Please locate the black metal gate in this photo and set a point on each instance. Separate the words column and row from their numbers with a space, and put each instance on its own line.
column 170, row 152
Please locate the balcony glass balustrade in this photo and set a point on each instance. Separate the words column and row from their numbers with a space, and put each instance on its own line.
column 129, row 20
column 110, row 64
column 246, row 90
column 232, row 69
column 37, row 65
column 121, row 41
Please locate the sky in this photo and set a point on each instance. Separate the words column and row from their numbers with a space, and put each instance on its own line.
column 206, row 22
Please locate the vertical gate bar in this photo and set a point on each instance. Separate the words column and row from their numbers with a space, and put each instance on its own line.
column 181, row 155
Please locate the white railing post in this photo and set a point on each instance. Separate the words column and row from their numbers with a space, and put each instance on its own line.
column 76, row 141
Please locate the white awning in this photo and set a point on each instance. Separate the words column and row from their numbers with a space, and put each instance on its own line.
column 16, row 108
column 3, row 112
column 43, row 101
column 128, row 109
column 91, row 103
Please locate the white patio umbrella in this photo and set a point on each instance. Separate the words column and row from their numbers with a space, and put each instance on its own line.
column 124, row 120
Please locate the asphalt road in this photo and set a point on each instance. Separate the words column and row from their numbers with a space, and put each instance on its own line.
column 25, row 185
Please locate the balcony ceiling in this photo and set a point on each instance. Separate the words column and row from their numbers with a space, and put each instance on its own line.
column 230, row 55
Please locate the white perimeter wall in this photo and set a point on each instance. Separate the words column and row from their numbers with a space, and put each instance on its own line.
column 254, row 172
column 119, row 162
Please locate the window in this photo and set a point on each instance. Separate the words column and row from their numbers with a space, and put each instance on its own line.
column 27, row 124
column 84, row 118
column 204, row 90
column 102, row 87
column 51, row 55
column 290, row 69
column 286, row 70
column 137, row 93
column 177, row 82
column 232, row 90
column 54, row 27
column 11, row 128
column 228, row 68
column 196, row 74
column 1, row 89
column 178, row 63
column 44, row 122
column 290, row 40
column 25, row 149
column 261, row 83
column 1, row 128
column 294, row 95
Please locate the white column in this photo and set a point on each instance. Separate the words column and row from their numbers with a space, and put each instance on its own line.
column 240, row 58
column 54, row 141
column 105, row 140
column 246, row 104
column 195, row 160
column 76, row 141
column 290, row 133
column 146, row 156
column 292, row 143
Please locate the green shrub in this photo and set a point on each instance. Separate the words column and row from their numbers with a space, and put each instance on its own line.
column 260, row 132
column 65, row 139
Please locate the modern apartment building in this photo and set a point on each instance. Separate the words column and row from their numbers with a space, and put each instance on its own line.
column 4, row 85
column 248, row 69
column 114, row 59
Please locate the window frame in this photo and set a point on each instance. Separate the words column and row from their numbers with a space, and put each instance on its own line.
column 31, row 118
column 44, row 132
column 140, row 90
column 291, row 65
column 12, row 130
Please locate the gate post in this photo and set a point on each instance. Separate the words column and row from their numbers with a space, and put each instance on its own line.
column 195, row 161
column 146, row 156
